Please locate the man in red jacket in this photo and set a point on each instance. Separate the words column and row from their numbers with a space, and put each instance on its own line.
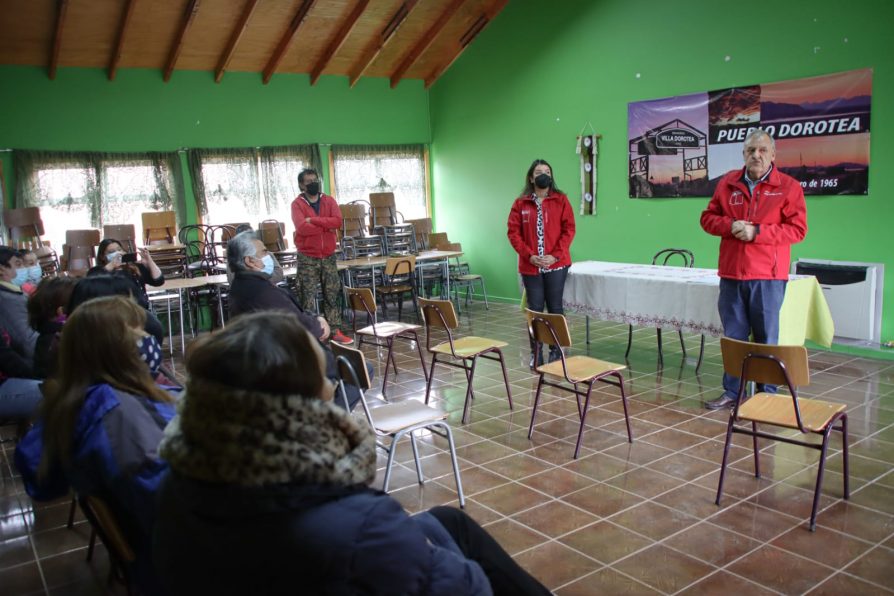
column 758, row 212
column 316, row 217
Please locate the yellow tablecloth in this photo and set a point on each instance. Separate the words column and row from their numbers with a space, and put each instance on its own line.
column 805, row 314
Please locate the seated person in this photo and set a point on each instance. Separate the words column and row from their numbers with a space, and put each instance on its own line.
column 98, row 285
column 46, row 315
column 268, row 490
column 14, row 303
column 109, row 260
column 251, row 291
column 276, row 277
column 35, row 273
column 19, row 390
column 100, row 424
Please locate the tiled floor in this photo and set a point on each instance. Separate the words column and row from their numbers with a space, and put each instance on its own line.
column 624, row 518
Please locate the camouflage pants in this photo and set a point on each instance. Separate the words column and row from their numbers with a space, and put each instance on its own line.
column 320, row 273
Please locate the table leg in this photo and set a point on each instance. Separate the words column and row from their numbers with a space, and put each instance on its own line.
column 587, row 318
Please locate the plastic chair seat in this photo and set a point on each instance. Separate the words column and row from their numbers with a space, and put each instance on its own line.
column 393, row 417
column 466, row 347
column 387, row 329
column 770, row 408
column 580, row 368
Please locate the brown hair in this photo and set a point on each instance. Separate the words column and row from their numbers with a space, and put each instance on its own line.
column 44, row 303
column 98, row 346
column 261, row 351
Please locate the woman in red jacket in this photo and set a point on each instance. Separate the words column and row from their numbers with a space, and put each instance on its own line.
column 541, row 228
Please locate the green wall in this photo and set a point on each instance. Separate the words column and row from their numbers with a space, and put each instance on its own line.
column 83, row 110
column 538, row 74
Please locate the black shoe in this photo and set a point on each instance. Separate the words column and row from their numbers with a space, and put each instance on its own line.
column 724, row 401
column 554, row 354
column 539, row 360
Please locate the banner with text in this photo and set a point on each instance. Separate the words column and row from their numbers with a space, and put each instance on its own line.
column 681, row 146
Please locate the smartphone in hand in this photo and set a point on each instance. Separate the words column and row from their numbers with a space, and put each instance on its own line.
column 129, row 257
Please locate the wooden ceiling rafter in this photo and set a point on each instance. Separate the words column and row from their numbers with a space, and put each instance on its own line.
column 425, row 42
column 338, row 40
column 238, row 30
column 62, row 8
column 467, row 38
column 400, row 15
column 122, row 34
column 191, row 9
column 286, row 40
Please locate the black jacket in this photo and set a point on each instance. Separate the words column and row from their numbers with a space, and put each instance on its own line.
column 252, row 291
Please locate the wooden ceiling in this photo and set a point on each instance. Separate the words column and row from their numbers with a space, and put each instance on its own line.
column 397, row 39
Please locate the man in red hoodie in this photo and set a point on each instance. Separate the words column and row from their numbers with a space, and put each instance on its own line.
column 758, row 212
column 316, row 217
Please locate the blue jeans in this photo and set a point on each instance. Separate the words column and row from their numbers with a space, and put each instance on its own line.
column 747, row 308
column 19, row 397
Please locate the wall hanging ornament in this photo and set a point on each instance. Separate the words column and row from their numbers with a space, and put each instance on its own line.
column 589, row 152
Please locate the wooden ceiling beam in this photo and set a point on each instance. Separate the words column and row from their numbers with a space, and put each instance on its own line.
column 240, row 28
column 338, row 40
column 425, row 42
column 191, row 9
column 287, row 39
column 122, row 33
column 467, row 38
column 387, row 35
column 62, row 8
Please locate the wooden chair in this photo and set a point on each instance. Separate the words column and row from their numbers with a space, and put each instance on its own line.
column 272, row 234
column 780, row 365
column 79, row 251
column 422, row 228
column 438, row 241
column 461, row 276
column 383, row 211
column 159, row 227
column 25, row 230
column 395, row 420
column 398, row 279
column 124, row 234
column 121, row 555
column 688, row 260
column 361, row 300
column 439, row 314
column 552, row 330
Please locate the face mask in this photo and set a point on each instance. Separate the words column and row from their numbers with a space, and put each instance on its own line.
column 111, row 256
column 268, row 264
column 21, row 277
column 543, row 181
column 313, row 188
column 34, row 274
column 150, row 352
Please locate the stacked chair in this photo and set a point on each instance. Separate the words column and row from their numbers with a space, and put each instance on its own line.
column 25, row 229
column 79, row 251
column 398, row 238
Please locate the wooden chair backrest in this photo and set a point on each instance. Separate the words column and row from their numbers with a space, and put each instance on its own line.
column 540, row 325
column 159, row 227
column 356, row 361
column 24, row 217
column 272, row 233
column 108, row 529
column 437, row 240
column 361, row 299
column 123, row 233
column 383, row 211
column 431, row 308
column 353, row 217
column 82, row 237
column 763, row 370
column 400, row 265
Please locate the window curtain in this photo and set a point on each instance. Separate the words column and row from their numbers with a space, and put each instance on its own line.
column 109, row 185
column 363, row 169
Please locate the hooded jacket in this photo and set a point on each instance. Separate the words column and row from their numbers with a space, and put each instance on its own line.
column 14, row 318
column 316, row 238
column 268, row 495
column 558, row 230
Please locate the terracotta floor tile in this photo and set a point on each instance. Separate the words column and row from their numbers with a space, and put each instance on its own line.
column 13, row 526
column 695, row 500
column 558, row 482
column 755, row 522
column 511, row 498
column 855, row 520
column 555, row 518
column 606, row 581
column 781, row 571
column 483, row 452
column 555, row 564
column 15, row 551
column 515, row 537
column 24, row 579
column 599, row 466
column 645, row 482
column 842, row 583
column 605, row 541
column 653, row 520
column 683, row 466
column 664, row 569
column 517, row 466
column 418, row 497
column 876, row 566
column 722, row 583
column 825, row 546
column 875, row 496
column 789, row 499
column 602, row 500
column 712, row 544
column 638, row 452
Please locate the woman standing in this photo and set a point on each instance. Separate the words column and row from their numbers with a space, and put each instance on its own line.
column 109, row 259
column 541, row 228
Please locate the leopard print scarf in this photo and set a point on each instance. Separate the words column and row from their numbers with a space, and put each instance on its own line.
column 250, row 438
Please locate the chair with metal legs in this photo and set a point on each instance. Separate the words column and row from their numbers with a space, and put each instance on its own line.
column 552, row 330
column 395, row 420
column 780, row 365
column 440, row 314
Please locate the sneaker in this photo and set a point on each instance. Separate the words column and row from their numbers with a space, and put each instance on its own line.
column 340, row 338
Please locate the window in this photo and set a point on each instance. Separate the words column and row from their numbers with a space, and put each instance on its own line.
column 249, row 185
column 360, row 170
column 90, row 190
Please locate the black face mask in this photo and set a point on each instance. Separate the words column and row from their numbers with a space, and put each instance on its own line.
column 543, row 181
column 313, row 188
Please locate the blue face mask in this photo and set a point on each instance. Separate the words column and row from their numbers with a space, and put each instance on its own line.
column 268, row 264
column 21, row 277
column 34, row 274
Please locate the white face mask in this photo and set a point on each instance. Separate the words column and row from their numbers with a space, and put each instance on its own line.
column 114, row 255
column 34, row 274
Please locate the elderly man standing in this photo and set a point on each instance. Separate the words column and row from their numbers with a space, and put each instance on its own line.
column 758, row 212
column 316, row 217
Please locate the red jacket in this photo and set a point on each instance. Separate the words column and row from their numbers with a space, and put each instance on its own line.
column 316, row 238
column 776, row 206
column 558, row 230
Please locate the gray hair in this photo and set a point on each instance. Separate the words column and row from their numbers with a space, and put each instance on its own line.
column 756, row 134
column 240, row 246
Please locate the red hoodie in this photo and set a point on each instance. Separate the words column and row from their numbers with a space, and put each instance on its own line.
column 316, row 238
column 558, row 230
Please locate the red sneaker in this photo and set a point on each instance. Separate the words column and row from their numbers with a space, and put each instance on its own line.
column 340, row 338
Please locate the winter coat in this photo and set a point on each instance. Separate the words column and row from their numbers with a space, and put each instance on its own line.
column 316, row 238
column 558, row 230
